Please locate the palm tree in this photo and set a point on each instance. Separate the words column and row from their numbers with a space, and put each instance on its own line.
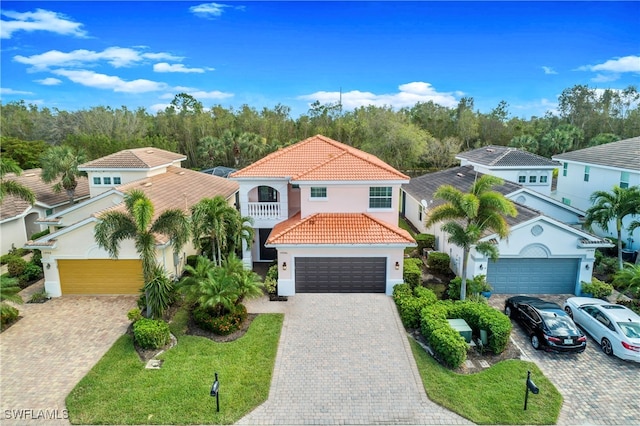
column 209, row 286
column 613, row 206
column 137, row 223
column 61, row 163
column 248, row 284
column 628, row 278
column 239, row 229
column 468, row 216
column 10, row 187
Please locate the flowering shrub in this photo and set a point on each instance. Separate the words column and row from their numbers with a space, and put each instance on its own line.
column 225, row 324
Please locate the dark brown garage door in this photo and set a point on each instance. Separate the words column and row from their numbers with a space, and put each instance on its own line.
column 341, row 274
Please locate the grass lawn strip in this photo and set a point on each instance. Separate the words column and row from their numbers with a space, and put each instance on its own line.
column 493, row 396
column 118, row 390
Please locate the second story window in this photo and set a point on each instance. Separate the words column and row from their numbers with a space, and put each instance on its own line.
column 380, row 197
column 533, row 179
column 543, row 179
column 117, row 181
column 522, row 179
column 106, row 181
column 624, row 179
column 267, row 194
column 565, row 167
column 97, row 181
column 318, row 192
column 587, row 169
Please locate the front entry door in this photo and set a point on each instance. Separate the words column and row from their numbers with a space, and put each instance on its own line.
column 265, row 252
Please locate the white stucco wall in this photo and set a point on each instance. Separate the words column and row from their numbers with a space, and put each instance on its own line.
column 513, row 174
column 12, row 233
column 574, row 189
column 548, row 207
column 125, row 176
column 286, row 279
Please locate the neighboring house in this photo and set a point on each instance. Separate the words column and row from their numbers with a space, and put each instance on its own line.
column 599, row 168
column 328, row 213
column 18, row 218
column 75, row 264
column 542, row 254
column 512, row 164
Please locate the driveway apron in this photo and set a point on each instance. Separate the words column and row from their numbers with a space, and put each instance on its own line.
column 46, row 353
column 344, row 359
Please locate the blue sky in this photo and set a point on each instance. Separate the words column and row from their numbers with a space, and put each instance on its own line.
column 79, row 54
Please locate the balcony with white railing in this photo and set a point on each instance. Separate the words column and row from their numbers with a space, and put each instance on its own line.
column 266, row 211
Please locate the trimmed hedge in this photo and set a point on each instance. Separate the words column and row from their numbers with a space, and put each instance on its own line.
column 480, row 316
column 411, row 302
column 439, row 262
column 598, row 289
column 412, row 272
column 448, row 345
column 151, row 334
column 425, row 241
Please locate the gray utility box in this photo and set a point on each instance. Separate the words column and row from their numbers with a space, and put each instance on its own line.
column 461, row 327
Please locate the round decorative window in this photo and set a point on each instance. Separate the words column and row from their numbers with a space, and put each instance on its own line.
column 521, row 199
column 537, row 230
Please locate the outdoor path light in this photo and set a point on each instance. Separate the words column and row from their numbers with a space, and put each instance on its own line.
column 215, row 392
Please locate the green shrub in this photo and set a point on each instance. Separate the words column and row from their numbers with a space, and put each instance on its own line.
column 400, row 291
column 39, row 234
column 39, row 297
column 151, row 334
column 412, row 273
column 5, row 258
column 475, row 285
column 221, row 325
column 8, row 314
column 597, row 288
column 410, row 303
column 447, row 344
column 16, row 266
column 605, row 266
column 36, row 258
column 439, row 262
column 134, row 315
column 192, row 260
column 425, row 293
column 480, row 316
column 271, row 285
column 31, row 273
column 272, row 272
column 425, row 241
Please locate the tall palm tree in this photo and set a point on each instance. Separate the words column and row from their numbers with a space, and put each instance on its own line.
column 137, row 223
column 468, row 216
column 209, row 286
column 613, row 206
column 11, row 187
column 60, row 163
column 215, row 222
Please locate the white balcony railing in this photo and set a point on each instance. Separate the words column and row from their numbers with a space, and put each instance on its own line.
column 265, row 210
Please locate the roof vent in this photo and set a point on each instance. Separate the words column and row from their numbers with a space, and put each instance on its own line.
column 148, row 184
column 490, row 149
column 149, row 151
column 180, row 173
column 459, row 175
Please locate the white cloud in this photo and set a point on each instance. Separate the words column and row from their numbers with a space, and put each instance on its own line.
column 158, row 107
column 197, row 94
column 49, row 81
column 116, row 56
column 624, row 64
column 549, row 70
column 208, row 10
column 605, row 78
column 109, row 82
column 409, row 95
column 39, row 20
column 8, row 91
column 166, row 67
column 538, row 107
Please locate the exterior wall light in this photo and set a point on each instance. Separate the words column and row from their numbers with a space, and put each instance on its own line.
column 481, row 266
column 284, row 266
column 48, row 266
column 586, row 266
column 397, row 266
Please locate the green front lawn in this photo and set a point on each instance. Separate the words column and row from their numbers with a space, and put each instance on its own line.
column 119, row 390
column 493, row 396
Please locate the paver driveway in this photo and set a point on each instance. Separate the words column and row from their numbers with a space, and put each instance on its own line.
column 46, row 353
column 344, row 359
column 597, row 389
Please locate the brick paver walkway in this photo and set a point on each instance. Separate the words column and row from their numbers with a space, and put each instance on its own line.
column 597, row 389
column 46, row 353
column 344, row 359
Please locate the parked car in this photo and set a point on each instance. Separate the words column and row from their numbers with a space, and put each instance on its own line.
column 547, row 325
column 615, row 327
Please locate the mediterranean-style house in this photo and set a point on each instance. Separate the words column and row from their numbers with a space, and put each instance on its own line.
column 546, row 251
column 328, row 214
column 599, row 168
column 75, row 264
column 18, row 218
column 512, row 164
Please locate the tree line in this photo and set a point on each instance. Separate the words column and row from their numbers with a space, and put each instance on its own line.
column 426, row 136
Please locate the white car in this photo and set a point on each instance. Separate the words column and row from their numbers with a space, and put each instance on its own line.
column 615, row 327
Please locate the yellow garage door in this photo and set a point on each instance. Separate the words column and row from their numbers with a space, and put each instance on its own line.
column 100, row 276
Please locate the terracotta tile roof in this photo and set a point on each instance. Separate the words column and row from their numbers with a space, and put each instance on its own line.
column 178, row 188
column 504, row 156
column 319, row 158
column 624, row 154
column 137, row 158
column 337, row 228
column 12, row 206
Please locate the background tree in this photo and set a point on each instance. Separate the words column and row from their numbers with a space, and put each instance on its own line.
column 468, row 216
column 137, row 223
column 60, row 163
column 26, row 153
column 11, row 187
column 613, row 207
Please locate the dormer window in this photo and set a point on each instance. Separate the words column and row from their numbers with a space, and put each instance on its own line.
column 97, row 181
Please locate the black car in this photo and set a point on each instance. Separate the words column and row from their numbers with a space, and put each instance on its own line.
column 548, row 326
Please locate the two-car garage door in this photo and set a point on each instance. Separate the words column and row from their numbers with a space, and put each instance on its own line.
column 100, row 276
column 533, row 276
column 340, row 274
